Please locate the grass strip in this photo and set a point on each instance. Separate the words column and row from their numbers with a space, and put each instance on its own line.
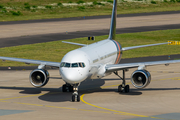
column 14, row 10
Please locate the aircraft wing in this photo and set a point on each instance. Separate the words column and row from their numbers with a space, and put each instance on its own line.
column 123, row 49
column 116, row 67
column 48, row 63
column 140, row 46
column 75, row 43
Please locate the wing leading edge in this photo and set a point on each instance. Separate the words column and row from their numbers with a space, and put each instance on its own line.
column 73, row 43
column 141, row 46
column 140, row 65
column 48, row 63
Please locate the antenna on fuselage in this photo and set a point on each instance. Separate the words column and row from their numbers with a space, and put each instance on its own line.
column 112, row 32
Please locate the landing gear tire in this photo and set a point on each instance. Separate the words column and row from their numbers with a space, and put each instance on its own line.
column 126, row 89
column 67, row 88
column 78, row 98
column 120, row 88
column 123, row 87
column 64, row 88
column 70, row 88
column 73, row 98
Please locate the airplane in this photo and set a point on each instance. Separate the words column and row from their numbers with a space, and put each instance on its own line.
column 93, row 61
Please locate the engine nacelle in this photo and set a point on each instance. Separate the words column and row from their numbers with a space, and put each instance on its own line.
column 39, row 77
column 140, row 78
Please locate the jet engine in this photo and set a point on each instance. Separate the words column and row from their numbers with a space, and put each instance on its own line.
column 39, row 77
column 140, row 78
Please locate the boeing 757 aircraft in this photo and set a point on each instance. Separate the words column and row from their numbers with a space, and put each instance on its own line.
column 93, row 61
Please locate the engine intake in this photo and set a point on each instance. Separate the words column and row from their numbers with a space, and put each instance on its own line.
column 140, row 78
column 39, row 77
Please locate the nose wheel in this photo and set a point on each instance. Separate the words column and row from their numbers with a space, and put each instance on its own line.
column 75, row 96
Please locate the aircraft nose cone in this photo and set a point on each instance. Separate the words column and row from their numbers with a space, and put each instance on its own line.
column 72, row 75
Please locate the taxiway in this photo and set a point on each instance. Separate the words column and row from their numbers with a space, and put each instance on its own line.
column 99, row 98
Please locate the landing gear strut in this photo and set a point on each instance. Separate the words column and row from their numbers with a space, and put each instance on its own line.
column 75, row 96
column 123, row 87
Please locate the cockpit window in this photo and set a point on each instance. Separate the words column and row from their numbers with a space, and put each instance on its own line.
column 67, row 65
column 81, row 65
column 74, row 65
column 62, row 64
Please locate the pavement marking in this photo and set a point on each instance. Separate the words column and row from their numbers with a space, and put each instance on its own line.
column 28, row 104
column 39, row 105
column 20, row 97
column 116, row 111
column 102, row 87
column 61, row 107
column 96, row 111
column 174, row 78
column 164, row 71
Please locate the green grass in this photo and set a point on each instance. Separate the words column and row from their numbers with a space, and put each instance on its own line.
column 54, row 51
column 14, row 10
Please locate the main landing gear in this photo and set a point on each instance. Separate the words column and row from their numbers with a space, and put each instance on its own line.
column 123, row 87
column 67, row 88
column 72, row 88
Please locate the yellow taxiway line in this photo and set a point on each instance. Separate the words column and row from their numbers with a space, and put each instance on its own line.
column 108, row 111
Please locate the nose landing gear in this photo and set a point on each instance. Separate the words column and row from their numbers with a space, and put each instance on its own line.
column 75, row 96
column 72, row 88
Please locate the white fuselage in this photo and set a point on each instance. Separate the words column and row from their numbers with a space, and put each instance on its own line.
column 94, row 57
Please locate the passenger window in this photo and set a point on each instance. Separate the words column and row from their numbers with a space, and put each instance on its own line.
column 74, row 65
column 67, row 65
